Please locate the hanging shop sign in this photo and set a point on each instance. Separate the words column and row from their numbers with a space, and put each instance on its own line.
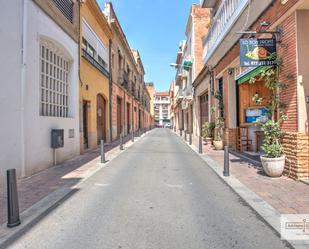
column 257, row 52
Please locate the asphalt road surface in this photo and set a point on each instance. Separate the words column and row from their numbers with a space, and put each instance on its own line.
column 158, row 194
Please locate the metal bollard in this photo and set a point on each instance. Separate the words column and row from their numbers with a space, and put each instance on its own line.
column 121, row 142
column 132, row 136
column 190, row 138
column 186, row 135
column 102, row 152
column 200, row 145
column 12, row 198
column 174, row 128
column 139, row 133
column 180, row 132
column 226, row 171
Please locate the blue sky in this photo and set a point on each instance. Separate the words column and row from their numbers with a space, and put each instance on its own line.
column 155, row 29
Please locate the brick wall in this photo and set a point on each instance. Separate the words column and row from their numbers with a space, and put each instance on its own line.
column 201, row 20
column 287, row 50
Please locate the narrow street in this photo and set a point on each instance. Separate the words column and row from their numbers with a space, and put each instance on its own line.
column 158, row 194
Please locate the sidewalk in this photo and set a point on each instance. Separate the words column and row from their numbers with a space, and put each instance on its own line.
column 268, row 197
column 33, row 189
column 284, row 194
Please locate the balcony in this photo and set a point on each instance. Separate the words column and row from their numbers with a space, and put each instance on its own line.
column 95, row 63
column 179, row 95
column 188, row 94
column 123, row 78
column 230, row 18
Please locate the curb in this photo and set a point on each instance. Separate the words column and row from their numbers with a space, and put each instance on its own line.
column 269, row 214
column 38, row 210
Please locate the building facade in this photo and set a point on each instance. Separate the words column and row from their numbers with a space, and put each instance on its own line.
column 95, row 38
column 151, row 90
column 162, row 108
column 223, row 76
column 40, row 78
column 129, row 99
column 189, row 63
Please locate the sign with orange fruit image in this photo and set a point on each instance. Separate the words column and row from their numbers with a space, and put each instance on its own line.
column 257, row 52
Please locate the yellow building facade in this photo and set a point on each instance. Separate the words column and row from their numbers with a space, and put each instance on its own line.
column 95, row 36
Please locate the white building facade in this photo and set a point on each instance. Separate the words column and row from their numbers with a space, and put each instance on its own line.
column 162, row 108
column 40, row 89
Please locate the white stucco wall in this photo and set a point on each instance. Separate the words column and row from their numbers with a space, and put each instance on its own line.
column 38, row 154
column 10, row 96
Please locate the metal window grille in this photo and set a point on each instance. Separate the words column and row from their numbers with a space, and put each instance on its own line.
column 54, row 74
column 66, row 7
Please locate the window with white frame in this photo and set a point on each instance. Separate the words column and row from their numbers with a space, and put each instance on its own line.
column 54, row 80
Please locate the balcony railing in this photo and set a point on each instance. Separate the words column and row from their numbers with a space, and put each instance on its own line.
column 123, row 78
column 179, row 94
column 95, row 63
column 226, row 15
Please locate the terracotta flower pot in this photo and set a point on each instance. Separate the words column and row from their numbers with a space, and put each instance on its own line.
column 208, row 140
column 273, row 167
column 218, row 145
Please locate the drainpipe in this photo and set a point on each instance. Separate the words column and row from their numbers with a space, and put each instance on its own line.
column 110, row 91
column 23, row 85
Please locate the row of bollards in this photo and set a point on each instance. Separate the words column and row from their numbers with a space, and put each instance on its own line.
column 226, row 170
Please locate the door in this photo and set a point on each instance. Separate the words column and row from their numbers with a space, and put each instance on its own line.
column 119, row 121
column 204, row 110
column 85, row 124
column 128, row 118
column 101, row 118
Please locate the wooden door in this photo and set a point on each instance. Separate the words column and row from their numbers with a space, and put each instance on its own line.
column 101, row 118
column 119, row 120
column 128, row 118
column 85, row 124
column 204, row 109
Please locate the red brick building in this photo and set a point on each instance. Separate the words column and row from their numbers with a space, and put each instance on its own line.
column 130, row 99
column 222, row 72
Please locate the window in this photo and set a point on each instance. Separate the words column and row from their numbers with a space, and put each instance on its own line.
column 66, row 7
column 54, row 80
column 93, row 49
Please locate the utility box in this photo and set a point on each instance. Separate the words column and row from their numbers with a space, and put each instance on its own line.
column 57, row 138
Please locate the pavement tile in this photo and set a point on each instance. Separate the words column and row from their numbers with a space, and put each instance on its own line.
column 284, row 194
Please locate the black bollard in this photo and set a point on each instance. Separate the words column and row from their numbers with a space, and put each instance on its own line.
column 121, row 142
column 200, row 145
column 226, row 171
column 190, row 138
column 186, row 135
column 132, row 136
column 12, row 196
column 102, row 152
column 174, row 128
column 180, row 132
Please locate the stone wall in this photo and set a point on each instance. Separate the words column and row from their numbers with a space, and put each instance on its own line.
column 296, row 149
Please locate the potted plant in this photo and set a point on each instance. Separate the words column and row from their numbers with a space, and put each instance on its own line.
column 218, row 142
column 207, row 132
column 273, row 161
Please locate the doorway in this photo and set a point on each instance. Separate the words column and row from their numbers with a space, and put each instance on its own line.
column 119, row 119
column 128, row 118
column 85, row 124
column 101, row 118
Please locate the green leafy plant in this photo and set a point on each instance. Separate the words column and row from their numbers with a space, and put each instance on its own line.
column 257, row 99
column 276, row 110
column 272, row 139
column 219, row 125
column 208, row 130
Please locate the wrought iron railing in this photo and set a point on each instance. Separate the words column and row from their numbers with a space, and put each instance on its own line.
column 226, row 15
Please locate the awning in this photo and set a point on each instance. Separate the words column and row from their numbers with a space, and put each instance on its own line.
column 252, row 73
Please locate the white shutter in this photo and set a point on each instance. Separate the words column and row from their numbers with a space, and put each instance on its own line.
column 95, row 42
